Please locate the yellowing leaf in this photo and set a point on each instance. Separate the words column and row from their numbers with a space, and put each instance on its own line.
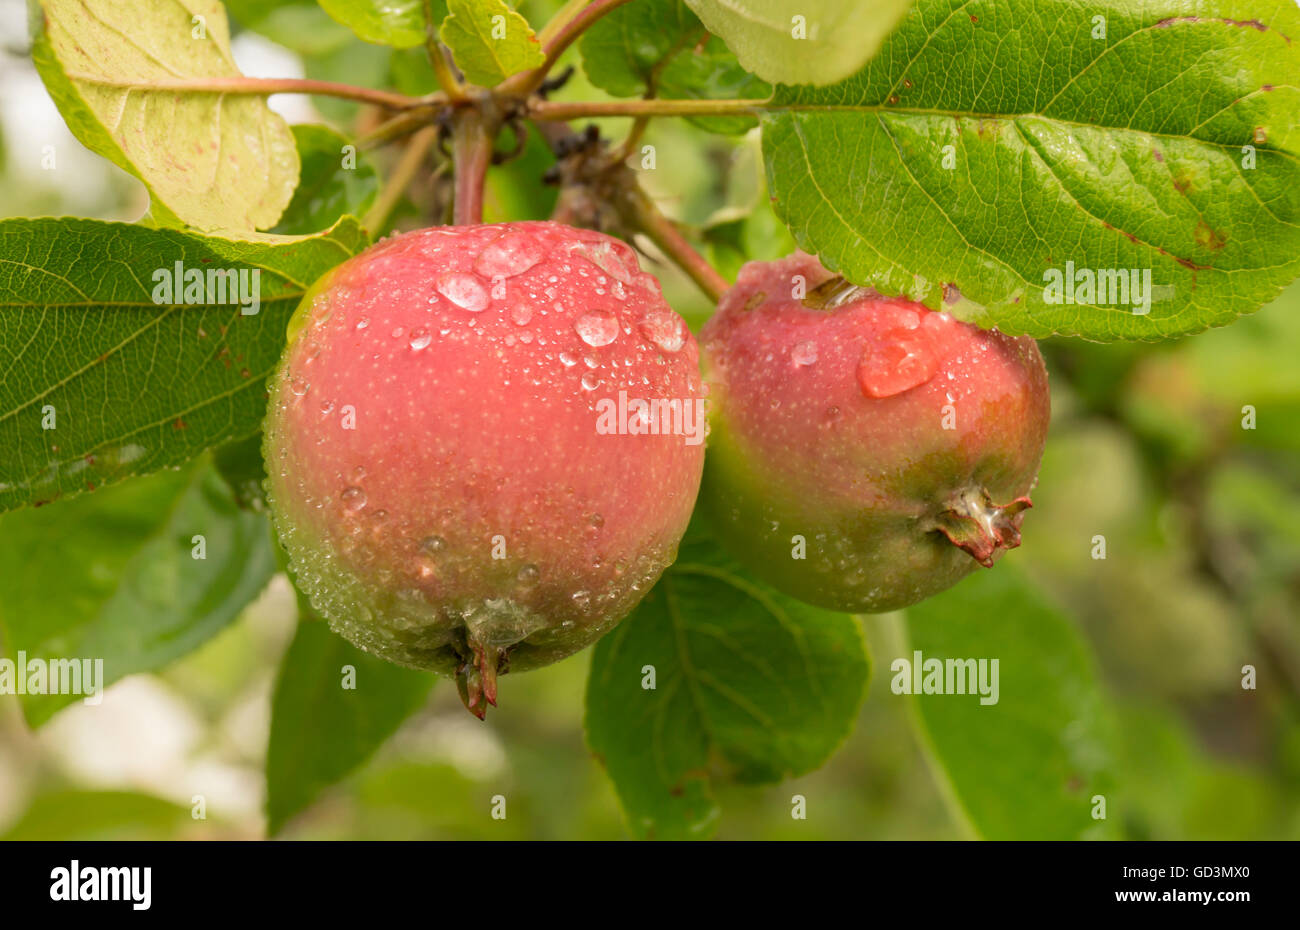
column 210, row 160
column 796, row 42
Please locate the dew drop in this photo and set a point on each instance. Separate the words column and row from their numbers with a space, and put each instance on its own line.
column 665, row 329
column 648, row 283
column 433, row 545
column 805, row 353
column 464, row 290
column 897, row 362
column 511, row 254
column 528, row 575
column 598, row 328
column 567, row 360
column 520, row 314
column 353, row 498
column 420, row 338
column 299, row 386
column 604, row 257
column 590, row 381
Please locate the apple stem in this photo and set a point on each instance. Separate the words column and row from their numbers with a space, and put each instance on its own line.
column 472, row 142
column 974, row 523
column 640, row 212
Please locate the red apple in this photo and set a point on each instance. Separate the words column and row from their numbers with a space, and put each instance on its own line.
column 866, row 452
column 450, row 470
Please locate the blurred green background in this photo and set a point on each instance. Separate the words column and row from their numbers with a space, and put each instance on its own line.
column 1202, row 575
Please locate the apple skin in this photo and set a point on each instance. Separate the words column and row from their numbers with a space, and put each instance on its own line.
column 435, row 468
column 828, row 423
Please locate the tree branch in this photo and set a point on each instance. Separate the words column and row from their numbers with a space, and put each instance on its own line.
column 446, row 77
column 560, row 38
column 565, row 110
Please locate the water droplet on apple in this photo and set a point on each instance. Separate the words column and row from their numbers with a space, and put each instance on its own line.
column 598, row 328
column 353, row 498
column 510, row 255
column 805, row 353
column 665, row 329
column 465, row 291
column 896, row 362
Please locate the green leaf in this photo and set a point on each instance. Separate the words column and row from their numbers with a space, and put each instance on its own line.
column 209, row 160
column 660, row 46
column 99, row 815
column 336, row 181
column 300, row 25
column 489, row 41
column 410, row 73
column 99, row 383
column 114, row 575
column 794, row 42
column 399, row 23
column 991, row 142
column 749, row 685
column 1029, row 765
column 322, row 730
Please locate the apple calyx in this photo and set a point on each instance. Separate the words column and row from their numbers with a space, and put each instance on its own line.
column 982, row 528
